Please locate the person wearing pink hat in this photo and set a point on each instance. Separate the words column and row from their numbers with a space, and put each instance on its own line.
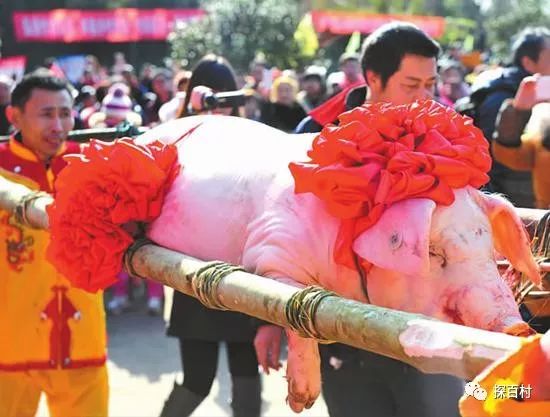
column 116, row 107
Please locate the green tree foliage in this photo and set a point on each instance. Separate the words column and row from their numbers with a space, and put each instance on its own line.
column 458, row 30
column 113, row 4
column 508, row 17
column 240, row 30
column 456, row 8
column 466, row 9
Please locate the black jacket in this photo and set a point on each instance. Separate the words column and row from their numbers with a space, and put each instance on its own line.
column 355, row 98
column 491, row 94
column 189, row 319
column 282, row 117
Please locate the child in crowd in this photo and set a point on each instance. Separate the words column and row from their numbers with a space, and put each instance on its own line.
column 116, row 107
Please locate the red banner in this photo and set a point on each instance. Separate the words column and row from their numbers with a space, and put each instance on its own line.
column 345, row 23
column 118, row 25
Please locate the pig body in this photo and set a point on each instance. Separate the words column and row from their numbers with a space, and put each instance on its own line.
column 234, row 201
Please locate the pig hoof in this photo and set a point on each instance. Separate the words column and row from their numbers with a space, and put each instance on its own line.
column 295, row 406
column 298, row 404
column 300, row 397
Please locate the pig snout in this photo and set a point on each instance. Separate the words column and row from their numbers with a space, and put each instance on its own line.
column 488, row 307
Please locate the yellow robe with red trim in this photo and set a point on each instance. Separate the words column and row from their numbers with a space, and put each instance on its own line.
column 44, row 322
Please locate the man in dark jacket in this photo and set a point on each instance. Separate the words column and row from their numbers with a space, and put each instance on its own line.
column 399, row 62
column 497, row 91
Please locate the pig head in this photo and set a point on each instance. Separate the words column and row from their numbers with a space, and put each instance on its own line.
column 440, row 260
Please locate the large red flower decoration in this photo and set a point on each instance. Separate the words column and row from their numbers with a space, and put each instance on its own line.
column 100, row 190
column 380, row 154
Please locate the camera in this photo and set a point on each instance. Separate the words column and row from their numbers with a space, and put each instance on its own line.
column 226, row 99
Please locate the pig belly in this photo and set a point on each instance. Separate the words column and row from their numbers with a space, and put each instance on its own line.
column 228, row 164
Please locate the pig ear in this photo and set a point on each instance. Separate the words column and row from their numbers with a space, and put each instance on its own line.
column 400, row 239
column 509, row 235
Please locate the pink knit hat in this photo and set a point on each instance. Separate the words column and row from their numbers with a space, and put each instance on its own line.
column 117, row 103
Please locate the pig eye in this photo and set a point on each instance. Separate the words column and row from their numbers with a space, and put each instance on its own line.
column 480, row 231
column 396, row 240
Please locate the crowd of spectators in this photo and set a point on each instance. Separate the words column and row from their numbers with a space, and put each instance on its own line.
column 106, row 96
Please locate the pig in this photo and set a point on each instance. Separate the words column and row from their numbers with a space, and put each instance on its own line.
column 234, row 200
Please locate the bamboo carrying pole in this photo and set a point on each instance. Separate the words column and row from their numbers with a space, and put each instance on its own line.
column 429, row 345
column 104, row 134
column 11, row 194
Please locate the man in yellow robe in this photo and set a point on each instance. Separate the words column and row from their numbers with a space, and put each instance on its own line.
column 52, row 336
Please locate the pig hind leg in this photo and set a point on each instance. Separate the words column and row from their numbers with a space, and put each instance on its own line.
column 303, row 368
column 268, row 253
column 302, row 371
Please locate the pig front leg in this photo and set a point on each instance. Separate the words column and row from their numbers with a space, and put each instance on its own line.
column 303, row 371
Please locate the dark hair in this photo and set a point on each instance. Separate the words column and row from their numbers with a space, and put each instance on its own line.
column 85, row 92
column 528, row 43
column 39, row 79
column 318, row 77
column 384, row 48
column 212, row 71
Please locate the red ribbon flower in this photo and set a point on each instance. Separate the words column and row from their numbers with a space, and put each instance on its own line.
column 105, row 187
column 380, row 154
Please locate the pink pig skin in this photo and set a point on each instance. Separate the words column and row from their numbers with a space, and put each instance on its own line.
column 234, row 201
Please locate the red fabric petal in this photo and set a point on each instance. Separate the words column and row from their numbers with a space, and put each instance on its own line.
column 381, row 154
column 108, row 185
column 330, row 109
